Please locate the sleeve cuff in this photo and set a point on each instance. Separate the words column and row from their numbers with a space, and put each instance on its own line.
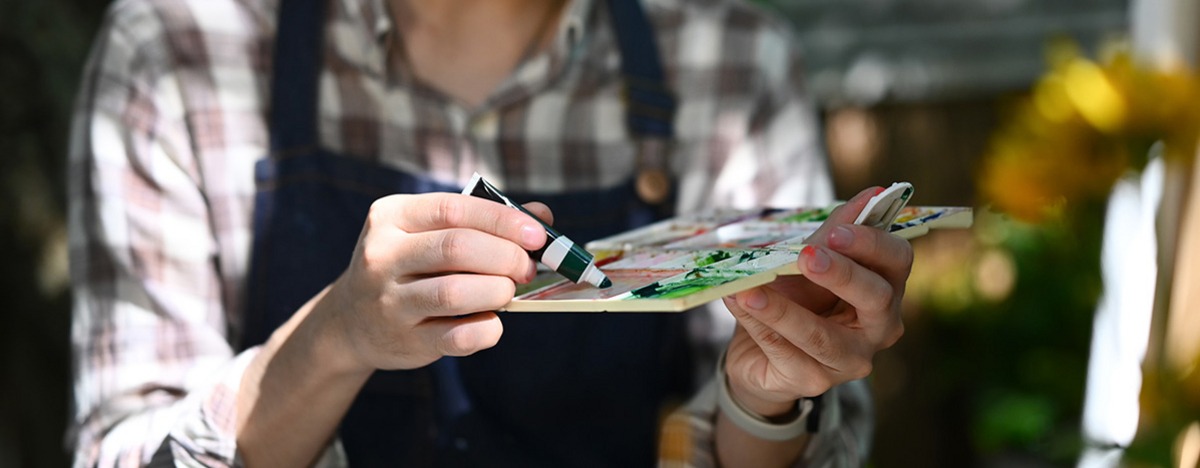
column 206, row 435
column 206, row 432
column 843, row 439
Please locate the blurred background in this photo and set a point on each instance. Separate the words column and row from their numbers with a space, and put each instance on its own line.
column 992, row 369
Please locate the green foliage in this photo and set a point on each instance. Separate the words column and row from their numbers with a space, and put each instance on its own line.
column 1013, row 419
column 1023, row 360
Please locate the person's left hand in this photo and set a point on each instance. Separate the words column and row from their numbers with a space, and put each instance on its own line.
column 801, row 335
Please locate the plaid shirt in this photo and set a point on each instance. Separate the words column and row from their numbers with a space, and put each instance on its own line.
column 171, row 120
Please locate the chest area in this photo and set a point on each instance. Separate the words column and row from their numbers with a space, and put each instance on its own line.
column 549, row 127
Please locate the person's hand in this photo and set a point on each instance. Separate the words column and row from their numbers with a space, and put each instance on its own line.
column 425, row 277
column 801, row 335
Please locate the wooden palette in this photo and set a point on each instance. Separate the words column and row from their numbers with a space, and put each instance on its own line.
column 681, row 263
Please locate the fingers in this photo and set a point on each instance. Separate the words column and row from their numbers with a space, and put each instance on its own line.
column 453, row 295
column 461, row 336
column 464, row 250
column 800, row 375
column 427, row 272
column 851, row 210
column 801, row 290
column 435, row 211
column 541, row 211
column 887, row 254
column 784, row 328
column 844, row 214
column 788, row 334
column 873, row 298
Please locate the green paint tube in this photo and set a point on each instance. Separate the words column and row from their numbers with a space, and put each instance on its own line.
column 560, row 253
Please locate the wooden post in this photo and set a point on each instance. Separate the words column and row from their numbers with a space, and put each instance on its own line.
column 1165, row 36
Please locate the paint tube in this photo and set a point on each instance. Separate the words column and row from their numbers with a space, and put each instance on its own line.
column 560, row 253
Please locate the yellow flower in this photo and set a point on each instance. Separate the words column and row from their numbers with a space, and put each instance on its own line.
column 1082, row 127
column 1051, row 99
column 1095, row 96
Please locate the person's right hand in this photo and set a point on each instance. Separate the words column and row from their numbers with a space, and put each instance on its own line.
column 426, row 275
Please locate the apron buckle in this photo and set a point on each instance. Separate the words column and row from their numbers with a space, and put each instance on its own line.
column 653, row 182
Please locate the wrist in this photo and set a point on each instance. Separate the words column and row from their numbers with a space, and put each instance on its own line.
column 768, row 420
column 299, row 360
column 768, row 409
column 321, row 338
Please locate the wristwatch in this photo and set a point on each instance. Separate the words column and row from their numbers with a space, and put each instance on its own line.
column 759, row 426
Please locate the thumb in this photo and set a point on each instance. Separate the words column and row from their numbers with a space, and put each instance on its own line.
column 844, row 214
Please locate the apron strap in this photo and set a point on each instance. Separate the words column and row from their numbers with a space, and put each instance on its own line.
column 299, row 41
column 649, row 104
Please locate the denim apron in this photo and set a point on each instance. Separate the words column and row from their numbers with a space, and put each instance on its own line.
column 559, row 389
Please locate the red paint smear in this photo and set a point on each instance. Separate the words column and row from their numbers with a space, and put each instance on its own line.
column 623, row 282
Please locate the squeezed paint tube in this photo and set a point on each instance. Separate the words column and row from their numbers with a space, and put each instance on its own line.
column 559, row 253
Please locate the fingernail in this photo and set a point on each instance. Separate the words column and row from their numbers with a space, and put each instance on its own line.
column 840, row 238
column 878, row 191
column 730, row 301
column 533, row 235
column 755, row 299
column 818, row 260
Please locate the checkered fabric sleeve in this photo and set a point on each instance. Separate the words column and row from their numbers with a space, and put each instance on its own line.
column 155, row 374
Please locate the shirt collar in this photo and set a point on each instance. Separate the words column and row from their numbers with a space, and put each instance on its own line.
column 374, row 15
column 571, row 29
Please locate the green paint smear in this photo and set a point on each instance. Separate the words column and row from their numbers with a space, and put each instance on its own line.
column 697, row 280
column 809, row 216
column 751, row 255
column 713, row 258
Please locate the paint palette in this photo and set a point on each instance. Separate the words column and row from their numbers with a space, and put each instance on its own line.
column 680, row 263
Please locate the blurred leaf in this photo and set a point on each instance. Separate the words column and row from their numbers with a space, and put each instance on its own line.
column 1013, row 420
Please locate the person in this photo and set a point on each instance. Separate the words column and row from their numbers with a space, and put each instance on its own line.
column 269, row 271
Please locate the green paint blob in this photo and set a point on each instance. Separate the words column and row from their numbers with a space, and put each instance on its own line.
column 712, row 258
column 695, row 281
column 809, row 216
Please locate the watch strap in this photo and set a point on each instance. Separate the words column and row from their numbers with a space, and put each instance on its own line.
column 755, row 424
